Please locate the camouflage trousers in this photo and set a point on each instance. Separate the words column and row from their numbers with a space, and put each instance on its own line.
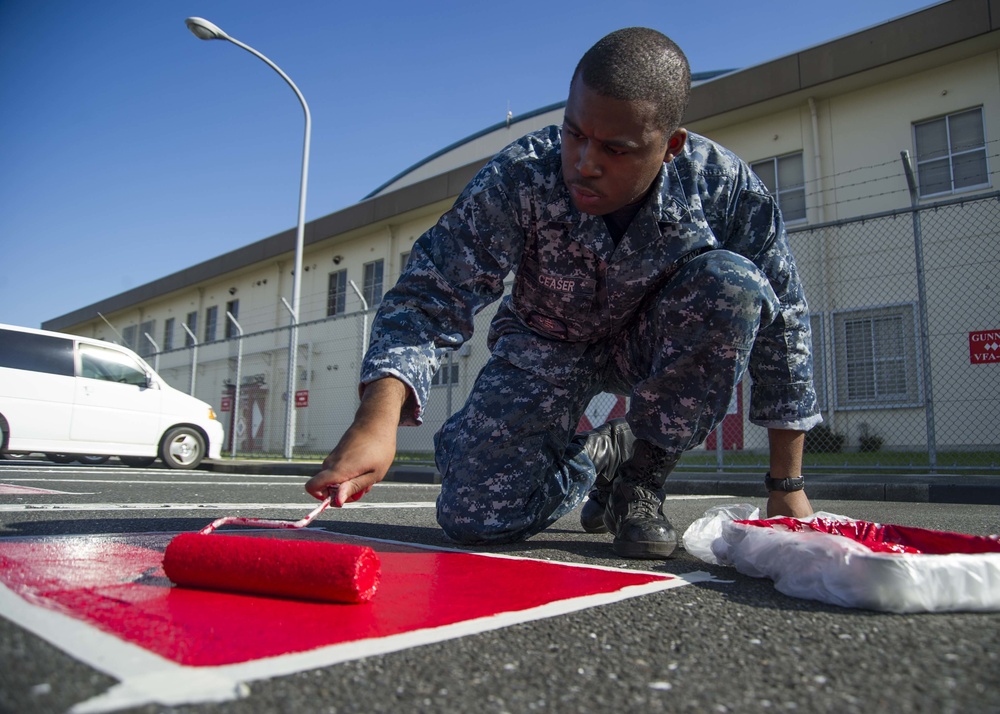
column 509, row 468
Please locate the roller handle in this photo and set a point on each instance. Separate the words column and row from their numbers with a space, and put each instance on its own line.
column 264, row 522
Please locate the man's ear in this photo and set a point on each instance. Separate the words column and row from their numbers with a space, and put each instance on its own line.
column 675, row 144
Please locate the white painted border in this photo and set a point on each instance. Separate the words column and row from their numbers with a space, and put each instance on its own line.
column 147, row 678
column 223, row 507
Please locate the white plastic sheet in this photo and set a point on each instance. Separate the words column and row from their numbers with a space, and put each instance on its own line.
column 839, row 570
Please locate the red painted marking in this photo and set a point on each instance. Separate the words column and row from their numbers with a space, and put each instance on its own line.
column 117, row 583
column 7, row 489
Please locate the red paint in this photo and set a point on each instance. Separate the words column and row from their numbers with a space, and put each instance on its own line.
column 307, row 570
column 117, row 583
column 889, row 538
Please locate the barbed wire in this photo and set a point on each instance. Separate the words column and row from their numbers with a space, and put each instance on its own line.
column 898, row 175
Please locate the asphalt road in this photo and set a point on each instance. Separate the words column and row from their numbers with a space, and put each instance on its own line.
column 732, row 644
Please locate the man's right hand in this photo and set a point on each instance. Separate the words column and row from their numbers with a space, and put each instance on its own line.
column 367, row 449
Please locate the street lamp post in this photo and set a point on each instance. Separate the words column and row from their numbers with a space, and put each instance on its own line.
column 205, row 30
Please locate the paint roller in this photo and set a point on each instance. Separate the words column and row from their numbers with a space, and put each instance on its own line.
column 299, row 569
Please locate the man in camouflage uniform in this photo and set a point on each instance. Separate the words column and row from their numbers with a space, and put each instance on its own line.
column 647, row 262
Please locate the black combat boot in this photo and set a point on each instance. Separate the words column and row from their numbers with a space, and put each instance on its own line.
column 635, row 506
column 608, row 446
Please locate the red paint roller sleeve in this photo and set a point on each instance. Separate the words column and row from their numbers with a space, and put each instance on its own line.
column 301, row 569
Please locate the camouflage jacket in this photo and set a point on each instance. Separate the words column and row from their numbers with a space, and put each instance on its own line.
column 573, row 285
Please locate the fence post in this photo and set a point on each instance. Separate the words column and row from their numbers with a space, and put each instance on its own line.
column 925, row 350
column 239, row 377
column 156, row 352
column 194, row 357
column 364, row 322
column 293, row 353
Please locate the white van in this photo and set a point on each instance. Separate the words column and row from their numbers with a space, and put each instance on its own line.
column 63, row 394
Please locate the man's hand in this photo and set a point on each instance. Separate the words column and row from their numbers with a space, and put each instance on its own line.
column 367, row 448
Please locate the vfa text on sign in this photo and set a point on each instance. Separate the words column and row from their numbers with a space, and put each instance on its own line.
column 984, row 347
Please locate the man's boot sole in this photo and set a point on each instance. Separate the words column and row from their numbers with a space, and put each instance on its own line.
column 652, row 550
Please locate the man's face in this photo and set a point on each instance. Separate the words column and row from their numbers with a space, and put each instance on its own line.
column 612, row 150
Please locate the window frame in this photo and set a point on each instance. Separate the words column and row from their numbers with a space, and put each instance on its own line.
column 233, row 308
column 336, row 299
column 777, row 191
column 374, row 284
column 913, row 395
column 144, row 347
column 947, row 119
column 211, row 323
column 453, row 375
column 168, row 334
column 192, row 324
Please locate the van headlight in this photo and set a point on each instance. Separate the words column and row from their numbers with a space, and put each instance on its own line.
column 211, row 414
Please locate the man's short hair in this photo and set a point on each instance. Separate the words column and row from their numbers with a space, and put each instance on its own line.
column 637, row 63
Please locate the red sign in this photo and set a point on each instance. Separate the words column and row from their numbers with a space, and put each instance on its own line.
column 226, row 405
column 984, row 347
column 302, row 398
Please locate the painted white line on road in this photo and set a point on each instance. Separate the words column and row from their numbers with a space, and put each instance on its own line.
column 144, row 672
column 64, row 507
column 7, row 489
column 145, row 482
column 36, row 507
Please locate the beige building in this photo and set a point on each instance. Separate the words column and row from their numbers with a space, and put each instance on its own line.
column 824, row 127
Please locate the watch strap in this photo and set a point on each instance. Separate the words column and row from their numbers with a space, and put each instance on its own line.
column 786, row 484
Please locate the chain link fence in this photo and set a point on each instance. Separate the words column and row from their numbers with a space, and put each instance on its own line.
column 906, row 332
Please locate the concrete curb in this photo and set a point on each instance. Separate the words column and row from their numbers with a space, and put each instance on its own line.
column 914, row 488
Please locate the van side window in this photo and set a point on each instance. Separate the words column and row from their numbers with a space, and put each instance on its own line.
column 110, row 366
column 38, row 353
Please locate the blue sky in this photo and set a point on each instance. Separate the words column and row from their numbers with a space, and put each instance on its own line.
column 129, row 149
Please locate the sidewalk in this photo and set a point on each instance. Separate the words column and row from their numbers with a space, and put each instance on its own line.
column 915, row 488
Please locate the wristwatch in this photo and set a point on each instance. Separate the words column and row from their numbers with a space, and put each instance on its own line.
column 786, row 484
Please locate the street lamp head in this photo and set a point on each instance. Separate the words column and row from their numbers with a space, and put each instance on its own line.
column 205, row 30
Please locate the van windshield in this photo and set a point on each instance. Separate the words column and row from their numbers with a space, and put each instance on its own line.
column 110, row 366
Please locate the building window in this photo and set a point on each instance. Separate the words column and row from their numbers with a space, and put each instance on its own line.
column 784, row 176
column 876, row 357
column 192, row 325
column 447, row 374
column 168, row 334
column 211, row 322
column 146, row 348
column 233, row 308
column 373, row 282
column 951, row 153
column 336, row 293
column 128, row 337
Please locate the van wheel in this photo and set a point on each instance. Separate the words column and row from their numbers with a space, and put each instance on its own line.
column 91, row 458
column 60, row 458
column 139, row 462
column 183, row 448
